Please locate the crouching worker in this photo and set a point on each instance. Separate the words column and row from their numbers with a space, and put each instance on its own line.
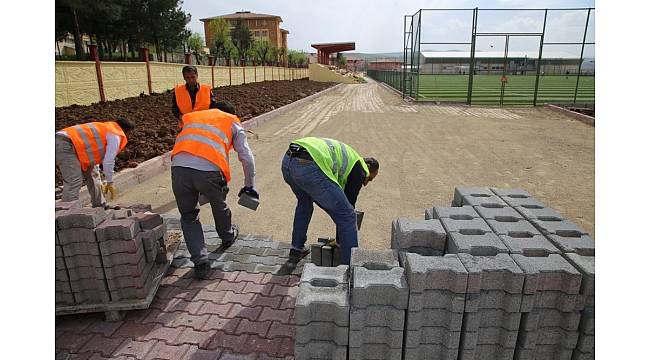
column 79, row 148
column 329, row 173
column 200, row 165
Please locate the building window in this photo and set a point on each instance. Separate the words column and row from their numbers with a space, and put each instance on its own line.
column 264, row 22
column 257, row 33
column 265, row 33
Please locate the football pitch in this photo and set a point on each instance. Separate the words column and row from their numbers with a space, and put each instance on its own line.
column 519, row 89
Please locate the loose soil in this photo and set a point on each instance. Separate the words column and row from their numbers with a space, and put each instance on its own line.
column 156, row 127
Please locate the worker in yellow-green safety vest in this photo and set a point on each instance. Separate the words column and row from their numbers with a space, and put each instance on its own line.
column 329, row 173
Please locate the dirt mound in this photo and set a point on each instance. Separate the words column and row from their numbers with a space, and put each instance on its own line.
column 156, row 127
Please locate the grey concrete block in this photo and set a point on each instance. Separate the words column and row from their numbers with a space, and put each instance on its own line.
column 133, row 292
column 548, row 336
column 148, row 220
column 378, row 315
column 320, row 350
column 493, row 299
column 513, row 193
column 81, row 261
column 326, row 256
column 112, row 247
column 527, row 244
column 435, row 273
column 544, row 352
column 487, row 352
column 492, row 317
column 432, row 335
column 430, row 352
column 87, row 218
column 117, row 230
column 130, row 281
column 542, row 214
column 588, row 321
column 482, row 200
column 66, row 205
column 61, row 298
column 379, row 287
column 76, row 235
column 504, row 214
column 435, row 317
column 454, row 212
column 87, row 284
column 91, row 297
column 587, row 267
column 322, row 331
column 374, row 259
column 322, row 301
column 428, row 214
column 580, row 244
column 316, row 251
column 487, row 244
column 559, row 300
column 120, row 214
column 529, row 202
column 79, row 248
column 579, row 355
column 374, row 351
column 409, row 233
column 586, row 343
column 436, row 299
column 135, row 269
column 561, row 228
column 476, row 226
column 460, row 192
column 541, row 318
column 499, row 272
column 489, row 336
column 552, row 273
column 118, row 259
column 376, row 335
column 337, row 275
column 512, row 226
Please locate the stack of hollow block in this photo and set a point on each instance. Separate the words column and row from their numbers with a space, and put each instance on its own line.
column 105, row 256
column 323, row 254
column 322, row 313
column 378, row 302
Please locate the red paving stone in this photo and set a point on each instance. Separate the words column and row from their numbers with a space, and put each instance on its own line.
column 234, row 315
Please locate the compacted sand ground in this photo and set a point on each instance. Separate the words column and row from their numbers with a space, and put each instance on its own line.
column 424, row 152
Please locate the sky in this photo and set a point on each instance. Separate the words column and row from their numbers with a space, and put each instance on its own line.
column 377, row 26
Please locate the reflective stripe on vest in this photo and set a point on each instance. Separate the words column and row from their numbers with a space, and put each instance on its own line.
column 207, row 134
column 184, row 100
column 334, row 158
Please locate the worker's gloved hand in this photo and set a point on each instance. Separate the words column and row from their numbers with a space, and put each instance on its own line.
column 109, row 188
column 250, row 191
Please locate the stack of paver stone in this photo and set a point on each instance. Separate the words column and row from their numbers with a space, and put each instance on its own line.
column 323, row 254
column 378, row 301
column 499, row 275
column 322, row 313
column 105, row 256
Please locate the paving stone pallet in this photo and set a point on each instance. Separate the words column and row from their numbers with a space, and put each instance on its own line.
column 499, row 275
column 109, row 261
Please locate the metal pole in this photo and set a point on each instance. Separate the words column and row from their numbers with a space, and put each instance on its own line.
column 539, row 59
column 505, row 71
column 582, row 51
column 404, row 60
column 417, row 87
column 471, row 57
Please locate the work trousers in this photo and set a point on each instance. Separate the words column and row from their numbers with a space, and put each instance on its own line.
column 187, row 183
column 310, row 185
column 73, row 177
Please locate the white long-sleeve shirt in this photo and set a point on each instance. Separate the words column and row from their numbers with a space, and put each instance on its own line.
column 244, row 154
column 112, row 148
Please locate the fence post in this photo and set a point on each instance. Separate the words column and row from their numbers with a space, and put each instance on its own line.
column 254, row 71
column 264, row 70
column 98, row 69
column 144, row 55
column 211, row 63
column 229, row 73
column 188, row 58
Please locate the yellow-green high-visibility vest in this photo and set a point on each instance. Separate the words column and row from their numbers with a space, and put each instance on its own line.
column 333, row 157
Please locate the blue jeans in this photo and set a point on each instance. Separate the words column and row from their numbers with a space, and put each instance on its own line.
column 311, row 185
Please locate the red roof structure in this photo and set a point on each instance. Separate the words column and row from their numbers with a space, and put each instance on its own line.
column 325, row 50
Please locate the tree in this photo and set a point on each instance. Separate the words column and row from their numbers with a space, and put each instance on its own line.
column 341, row 61
column 282, row 53
column 262, row 49
column 221, row 45
column 273, row 54
column 242, row 39
column 195, row 45
column 67, row 14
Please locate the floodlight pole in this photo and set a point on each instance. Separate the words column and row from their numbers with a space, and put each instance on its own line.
column 582, row 51
column 539, row 59
column 472, row 57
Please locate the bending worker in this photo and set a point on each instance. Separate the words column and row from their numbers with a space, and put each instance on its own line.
column 191, row 96
column 200, row 165
column 329, row 173
column 79, row 148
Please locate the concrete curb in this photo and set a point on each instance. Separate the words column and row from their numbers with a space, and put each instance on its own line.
column 159, row 164
column 591, row 121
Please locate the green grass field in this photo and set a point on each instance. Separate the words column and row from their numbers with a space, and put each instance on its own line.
column 518, row 91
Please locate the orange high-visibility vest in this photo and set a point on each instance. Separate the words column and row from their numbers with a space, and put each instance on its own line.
column 89, row 141
column 184, row 101
column 207, row 134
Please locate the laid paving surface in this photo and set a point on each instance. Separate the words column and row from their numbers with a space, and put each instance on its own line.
column 244, row 311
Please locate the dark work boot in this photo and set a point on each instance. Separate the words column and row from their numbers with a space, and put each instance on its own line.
column 202, row 270
column 235, row 231
column 296, row 255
